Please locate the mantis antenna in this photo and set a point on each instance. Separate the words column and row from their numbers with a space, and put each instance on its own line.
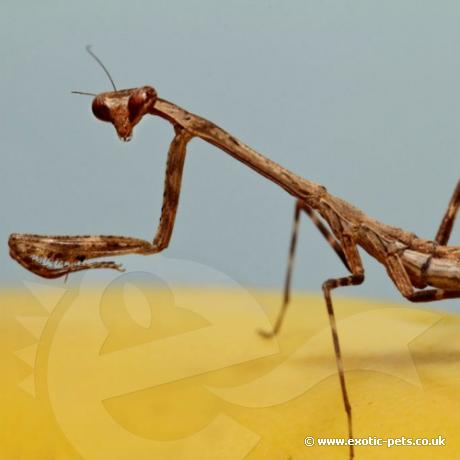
column 88, row 48
column 104, row 68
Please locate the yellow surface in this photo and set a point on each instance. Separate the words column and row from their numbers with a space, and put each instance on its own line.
column 140, row 373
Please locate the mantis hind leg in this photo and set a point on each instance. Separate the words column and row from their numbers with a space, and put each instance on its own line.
column 447, row 223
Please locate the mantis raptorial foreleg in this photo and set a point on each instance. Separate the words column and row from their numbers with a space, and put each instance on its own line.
column 172, row 185
column 445, row 229
column 55, row 256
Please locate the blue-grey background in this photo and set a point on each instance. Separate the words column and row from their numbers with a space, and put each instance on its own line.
column 361, row 96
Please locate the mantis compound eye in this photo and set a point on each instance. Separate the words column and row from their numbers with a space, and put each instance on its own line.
column 141, row 101
column 100, row 110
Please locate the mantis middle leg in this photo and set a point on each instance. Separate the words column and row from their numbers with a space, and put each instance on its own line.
column 300, row 206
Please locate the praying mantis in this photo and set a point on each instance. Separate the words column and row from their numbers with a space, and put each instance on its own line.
column 422, row 270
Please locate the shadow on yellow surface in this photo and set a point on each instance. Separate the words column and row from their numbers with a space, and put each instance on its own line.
column 142, row 373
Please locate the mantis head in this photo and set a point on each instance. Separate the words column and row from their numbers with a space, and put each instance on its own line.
column 124, row 108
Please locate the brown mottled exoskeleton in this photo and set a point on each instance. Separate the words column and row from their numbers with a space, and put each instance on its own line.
column 412, row 263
